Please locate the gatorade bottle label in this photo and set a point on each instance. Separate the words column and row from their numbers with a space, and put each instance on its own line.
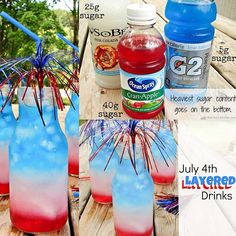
column 142, row 93
column 187, row 64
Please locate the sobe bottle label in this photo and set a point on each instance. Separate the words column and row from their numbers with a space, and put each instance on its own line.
column 142, row 93
column 104, row 49
column 187, row 64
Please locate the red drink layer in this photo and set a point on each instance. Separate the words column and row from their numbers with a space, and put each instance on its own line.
column 73, row 168
column 163, row 179
column 37, row 224
column 4, row 189
column 142, row 55
column 101, row 198
column 121, row 232
column 73, row 148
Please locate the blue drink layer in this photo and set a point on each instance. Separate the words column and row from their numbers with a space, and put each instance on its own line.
column 133, row 197
column 7, row 121
column 168, row 140
column 132, row 190
column 7, row 127
column 72, row 118
column 190, row 21
column 99, row 162
column 164, row 169
column 101, row 180
column 37, row 148
column 38, row 167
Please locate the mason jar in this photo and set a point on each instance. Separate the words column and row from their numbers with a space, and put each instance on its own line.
column 72, row 134
column 165, row 157
column 101, row 178
column 7, row 128
column 38, row 167
column 133, row 198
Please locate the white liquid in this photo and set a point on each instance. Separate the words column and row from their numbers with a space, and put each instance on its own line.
column 105, row 34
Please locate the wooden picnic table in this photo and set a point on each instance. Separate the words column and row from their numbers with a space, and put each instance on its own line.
column 72, row 226
column 92, row 97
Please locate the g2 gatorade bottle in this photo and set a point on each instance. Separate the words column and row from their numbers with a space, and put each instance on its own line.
column 189, row 38
column 142, row 62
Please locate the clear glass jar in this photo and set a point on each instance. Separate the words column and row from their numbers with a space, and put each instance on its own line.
column 7, row 127
column 72, row 135
column 165, row 159
column 133, row 199
column 38, row 167
column 101, row 180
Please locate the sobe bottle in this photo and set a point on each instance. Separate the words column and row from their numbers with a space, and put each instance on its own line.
column 189, row 37
column 142, row 63
column 104, row 36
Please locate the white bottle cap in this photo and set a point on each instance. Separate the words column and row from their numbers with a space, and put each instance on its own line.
column 141, row 14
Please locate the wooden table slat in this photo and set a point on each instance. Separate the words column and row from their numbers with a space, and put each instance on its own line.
column 73, row 206
column 226, row 26
column 96, row 217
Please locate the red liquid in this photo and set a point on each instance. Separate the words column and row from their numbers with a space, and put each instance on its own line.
column 101, row 198
column 73, row 169
column 141, row 55
column 4, row 189
column 120, row 232
column 163, row 179
column 32, row 224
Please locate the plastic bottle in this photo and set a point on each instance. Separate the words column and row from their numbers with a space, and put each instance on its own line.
column 105, row 33
column 142, row 62
column 189, row 37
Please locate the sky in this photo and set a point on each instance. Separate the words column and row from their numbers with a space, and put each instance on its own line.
column 63, row 4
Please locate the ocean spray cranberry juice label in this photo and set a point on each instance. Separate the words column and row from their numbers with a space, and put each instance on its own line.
column 143, row 93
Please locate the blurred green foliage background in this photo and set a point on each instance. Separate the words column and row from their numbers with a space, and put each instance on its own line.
column 42, row 18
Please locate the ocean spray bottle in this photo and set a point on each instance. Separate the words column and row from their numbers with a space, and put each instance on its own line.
column 142, row 63
column 189, row 38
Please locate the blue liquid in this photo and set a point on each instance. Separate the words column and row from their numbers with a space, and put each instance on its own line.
column 167, row 138
column 37, row 148
column 72, row 118
column 190, row 22
column 38, row 171
column 130, row 189
column 7, row 121
column 72, row 134
column 7, row 128
column 101, row 179
column 99, row 162
column 189, row 36
column 133, row 196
